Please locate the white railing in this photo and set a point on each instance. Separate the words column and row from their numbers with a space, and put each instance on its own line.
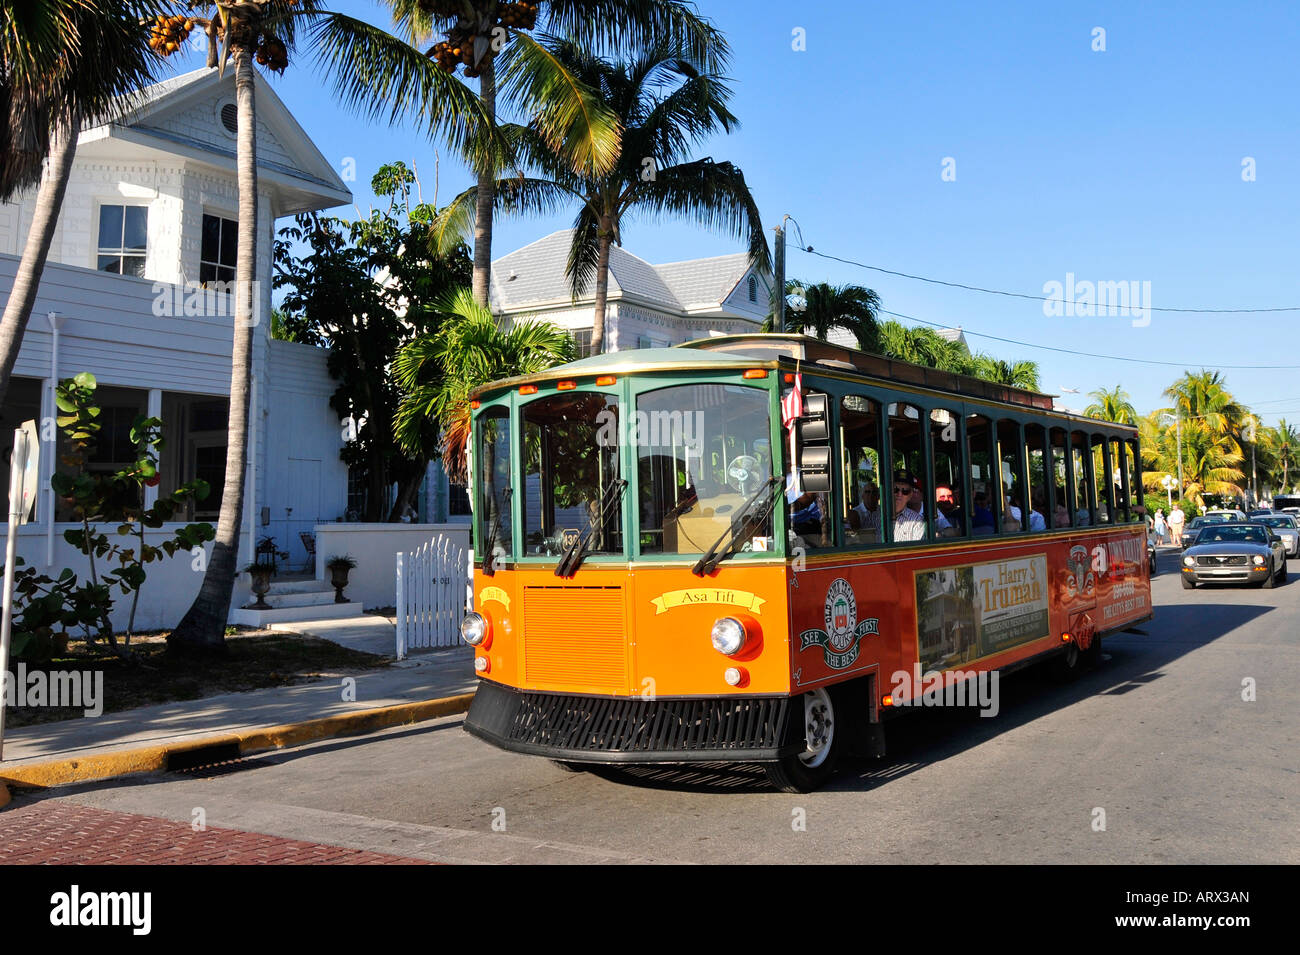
column 432, row 589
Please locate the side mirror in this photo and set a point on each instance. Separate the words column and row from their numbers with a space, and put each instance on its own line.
column 815, row 469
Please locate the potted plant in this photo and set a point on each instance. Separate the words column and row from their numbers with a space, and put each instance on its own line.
column 338, row 566
column 261, row 571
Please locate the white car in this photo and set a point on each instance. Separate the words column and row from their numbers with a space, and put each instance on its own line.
column 1226, row 513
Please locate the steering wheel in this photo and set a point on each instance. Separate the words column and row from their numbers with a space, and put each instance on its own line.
column 742, row 472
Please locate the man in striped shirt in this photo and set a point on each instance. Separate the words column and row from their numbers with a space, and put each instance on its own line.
column 909, row 525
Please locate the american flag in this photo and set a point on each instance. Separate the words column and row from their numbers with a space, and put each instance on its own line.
column 791, row 411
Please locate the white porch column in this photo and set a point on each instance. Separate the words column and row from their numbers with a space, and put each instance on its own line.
column 153, row 409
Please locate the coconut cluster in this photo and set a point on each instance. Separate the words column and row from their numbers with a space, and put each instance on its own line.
column 458, row 49
column 271, row 52
column 168, row 33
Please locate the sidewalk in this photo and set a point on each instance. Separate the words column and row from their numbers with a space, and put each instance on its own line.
column 428, row 684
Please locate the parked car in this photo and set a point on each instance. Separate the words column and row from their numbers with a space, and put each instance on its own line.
column 1227, row 513
column 1286, row 527
column 1151, row 553
column 1232, row 552
column 1261, row 512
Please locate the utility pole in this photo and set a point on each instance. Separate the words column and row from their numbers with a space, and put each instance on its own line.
column 1178, row 437
column 778, row 324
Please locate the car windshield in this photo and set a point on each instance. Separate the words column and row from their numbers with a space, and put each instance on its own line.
column 1277, row 521
column 1232, row 535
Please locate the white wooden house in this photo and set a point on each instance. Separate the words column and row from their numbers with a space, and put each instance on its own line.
column 149, row 215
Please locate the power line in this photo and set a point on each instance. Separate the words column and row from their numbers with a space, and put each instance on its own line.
column 1036, row 298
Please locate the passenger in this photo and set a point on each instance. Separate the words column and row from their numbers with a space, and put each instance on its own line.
column 945, row 502
column 909, row 525
column 1062, row 516
column 865, row 515
column 805, row 512
column 981, row 516
column 1039, row 501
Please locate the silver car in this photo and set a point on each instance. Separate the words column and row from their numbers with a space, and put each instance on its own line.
column 1285, row 527
column 1235, row 552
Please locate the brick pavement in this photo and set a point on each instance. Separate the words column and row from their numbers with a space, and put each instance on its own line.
column 55, row 833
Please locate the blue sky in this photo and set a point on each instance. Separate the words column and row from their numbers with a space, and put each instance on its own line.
column 1117, row 165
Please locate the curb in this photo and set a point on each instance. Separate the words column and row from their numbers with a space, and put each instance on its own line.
column 148, row 759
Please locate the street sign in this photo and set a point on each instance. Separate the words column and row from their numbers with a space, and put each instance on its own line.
column 31, row 470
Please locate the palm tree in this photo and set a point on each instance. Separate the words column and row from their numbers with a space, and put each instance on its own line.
column 819, row 308
column 62, row 62
column 1112, row 404
column 365, row 62
column 437, row 372
column 1017, row 374
column 564, row 113
column 1286, row 443
column 666, row 100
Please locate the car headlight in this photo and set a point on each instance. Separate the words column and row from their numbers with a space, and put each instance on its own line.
column 728, row 636
column 1257, row 561
column 1189, row 561
column 474, row 629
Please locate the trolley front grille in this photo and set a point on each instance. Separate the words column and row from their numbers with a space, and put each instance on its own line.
column 637, row 725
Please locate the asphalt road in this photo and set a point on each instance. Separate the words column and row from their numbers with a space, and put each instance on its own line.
column 1156, row 745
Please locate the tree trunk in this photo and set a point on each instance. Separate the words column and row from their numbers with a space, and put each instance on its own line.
column 408, row 492
column 486, row 190
column 49, row 199
column 204, row 626
column 604, row 239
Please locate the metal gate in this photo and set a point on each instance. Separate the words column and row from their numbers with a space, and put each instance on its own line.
column 432, row 595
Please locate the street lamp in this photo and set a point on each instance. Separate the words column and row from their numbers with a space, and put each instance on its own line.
column 1167, row 482
column 1178, row 435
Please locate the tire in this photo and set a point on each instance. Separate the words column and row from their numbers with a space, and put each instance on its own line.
column 1269, row 582
column 1188, row 583
column 809, row 770
column 1281, row 574
column 1068, row 662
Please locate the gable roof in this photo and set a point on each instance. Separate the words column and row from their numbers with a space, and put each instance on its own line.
column 179, row 116
column 533, row 277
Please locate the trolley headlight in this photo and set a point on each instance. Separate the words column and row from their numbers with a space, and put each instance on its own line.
column 1189, row 561
column 474, row 629
column 1257, row 561
column 728, row 636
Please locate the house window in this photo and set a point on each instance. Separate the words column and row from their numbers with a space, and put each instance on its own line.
column 217, row 255
column 195, row 436
column 582, row 341
column 114, row 449
column 123, row 234
column 753, row 289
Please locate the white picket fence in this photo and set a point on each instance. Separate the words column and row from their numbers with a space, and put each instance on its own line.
column 432, row 595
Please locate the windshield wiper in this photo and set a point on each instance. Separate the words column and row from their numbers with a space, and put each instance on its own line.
column 742, row 526
column 489, row 559
column 568, row 565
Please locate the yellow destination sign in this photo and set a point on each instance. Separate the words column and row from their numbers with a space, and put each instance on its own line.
column 495, row 593
column 708, row 595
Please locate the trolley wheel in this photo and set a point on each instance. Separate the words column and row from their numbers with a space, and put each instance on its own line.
column 1188, row 583
column 809, row 770
column 1067, row 664
column 568, row 767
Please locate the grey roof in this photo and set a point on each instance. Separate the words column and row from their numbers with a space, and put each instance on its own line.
column 704, row 281
column 539, row 279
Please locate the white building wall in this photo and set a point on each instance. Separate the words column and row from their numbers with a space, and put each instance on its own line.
column 301, row 437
